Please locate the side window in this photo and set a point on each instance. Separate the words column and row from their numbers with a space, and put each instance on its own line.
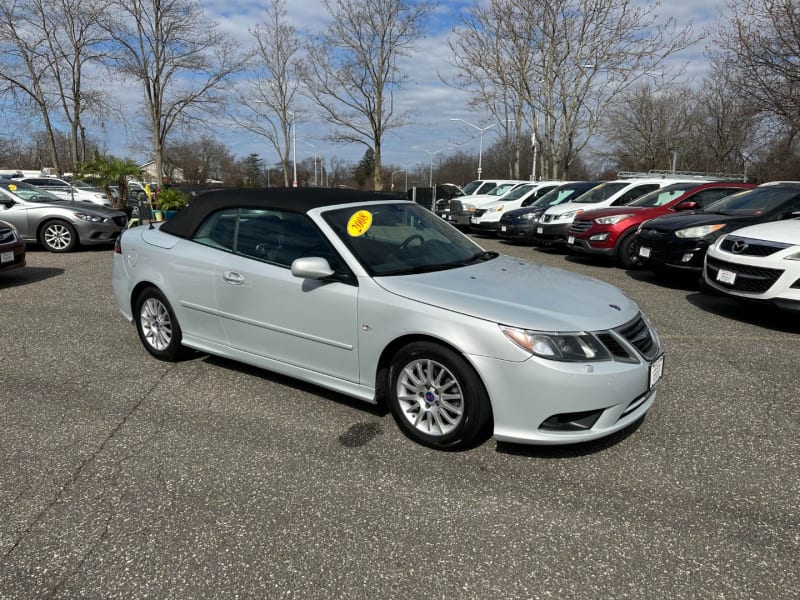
column 218, row 230
column 276, row 237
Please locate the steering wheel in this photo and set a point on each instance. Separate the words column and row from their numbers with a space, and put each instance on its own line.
column 411, row 238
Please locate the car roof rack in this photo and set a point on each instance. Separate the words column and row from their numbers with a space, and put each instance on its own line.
column 668, row 174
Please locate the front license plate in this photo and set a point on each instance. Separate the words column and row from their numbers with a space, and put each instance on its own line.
column 503, row 228
column 571, row 239
column 644, row 251
column 724, row 276
column 656, row 370
column 540, row 230
column 6, row 257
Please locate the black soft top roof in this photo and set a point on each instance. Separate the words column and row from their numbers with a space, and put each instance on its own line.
column 186, row 222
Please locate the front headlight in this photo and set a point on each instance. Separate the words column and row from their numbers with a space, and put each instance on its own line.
column 468, row 207
column 568, row 216
column 699, row 231
column 795, row 256
column 530, row 216
column 570, row 347
column 90, row 218
column 611, row 220
column 498, row 209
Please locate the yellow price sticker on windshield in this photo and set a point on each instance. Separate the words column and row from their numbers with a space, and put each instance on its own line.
column 12, row 187
column 359, row 223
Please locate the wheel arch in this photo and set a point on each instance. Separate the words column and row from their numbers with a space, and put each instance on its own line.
column 391, row 349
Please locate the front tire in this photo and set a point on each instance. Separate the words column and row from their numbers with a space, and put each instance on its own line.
column 437, row 398
column 58, row 236
column 628, row 251
column 158, row 328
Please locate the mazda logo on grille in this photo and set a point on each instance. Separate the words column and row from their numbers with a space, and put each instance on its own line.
column 738, row 247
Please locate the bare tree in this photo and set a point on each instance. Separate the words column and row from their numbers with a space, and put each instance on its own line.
column 48, row 45
column 564, row 61
column 200, row 159
column 645, row 127
column 761, row 42
column 352, row 70
column 179, row 57
column 268, row 104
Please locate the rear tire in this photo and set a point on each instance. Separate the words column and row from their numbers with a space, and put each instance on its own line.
column 158, row 328
column 437, row 398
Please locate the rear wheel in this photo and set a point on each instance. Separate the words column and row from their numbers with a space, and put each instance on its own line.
column 158, row 328
column 437, row 398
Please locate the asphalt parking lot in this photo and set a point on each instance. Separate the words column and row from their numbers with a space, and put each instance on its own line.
column 125, row 477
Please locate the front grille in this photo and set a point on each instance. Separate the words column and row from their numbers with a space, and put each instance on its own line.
column 754, row 280
column 455, row 206
column 580, row 226
column 637, row 333
column 121, row 221
column 749, row 247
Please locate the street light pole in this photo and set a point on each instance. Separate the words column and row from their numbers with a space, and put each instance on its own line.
column 480, row 147
column 294, row 149
column 393, row 172
column 315, row 160
column 431, row 153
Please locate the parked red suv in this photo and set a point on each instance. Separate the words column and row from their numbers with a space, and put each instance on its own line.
column 611, row 231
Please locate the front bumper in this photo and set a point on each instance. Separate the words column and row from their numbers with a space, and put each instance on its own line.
column 750, row 278
column 551, row 234
column 549, row 402
column 656, row 250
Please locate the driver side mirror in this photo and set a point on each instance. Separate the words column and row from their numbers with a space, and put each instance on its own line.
column 311, row 267
column 7, row 202
column 687, row 205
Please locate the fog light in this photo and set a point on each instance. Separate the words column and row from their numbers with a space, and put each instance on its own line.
column 599, row 237
column 687, row 257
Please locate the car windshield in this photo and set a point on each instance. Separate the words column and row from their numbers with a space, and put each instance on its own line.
column 753, row 202
column 664, row 195
column 402, row 238
column 29, row 193
column 559, row 195
column 471, row 187
column 518, row 192
column 601, row 192
column 501, row 189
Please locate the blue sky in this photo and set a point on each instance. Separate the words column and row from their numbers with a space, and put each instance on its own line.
column 432, row 102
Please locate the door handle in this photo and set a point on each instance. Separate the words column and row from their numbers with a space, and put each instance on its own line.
column 233, row 278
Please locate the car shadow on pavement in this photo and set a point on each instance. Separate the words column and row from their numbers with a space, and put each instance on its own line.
column 675, row 281
column 570, row 450
column 26, row 275
column 754, row 313
column 276, row 378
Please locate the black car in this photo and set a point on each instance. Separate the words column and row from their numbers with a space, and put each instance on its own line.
column 518, row 225
column 679, row 241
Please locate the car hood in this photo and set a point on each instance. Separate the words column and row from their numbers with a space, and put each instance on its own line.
column 786, row 232
column 619, row 210
column 84, row 207
column 514, row 292
column 669, row 223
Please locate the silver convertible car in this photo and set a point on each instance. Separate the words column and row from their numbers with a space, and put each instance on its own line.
column 378, row 298
column 59, row 225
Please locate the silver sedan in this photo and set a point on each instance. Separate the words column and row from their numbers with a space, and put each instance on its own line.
column 380, row 299
column 59, row 225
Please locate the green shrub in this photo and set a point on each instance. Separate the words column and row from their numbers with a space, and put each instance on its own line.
column 170, row 199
